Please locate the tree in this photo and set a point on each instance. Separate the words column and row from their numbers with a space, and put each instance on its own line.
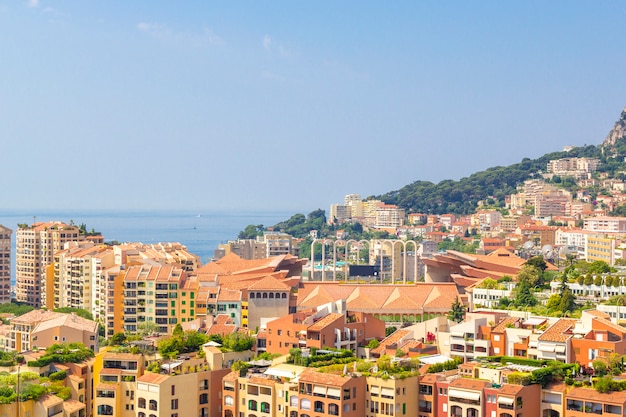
column 147, row 328
column 599, row 367
column 568, row 301
column 389, row 330
column 372, row 344
column 118, row 339
column 457, row 311
column 523, row 296
column 251, row 231
column 531, row 275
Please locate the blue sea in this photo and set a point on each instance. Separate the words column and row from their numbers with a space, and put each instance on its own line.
column 200, row 231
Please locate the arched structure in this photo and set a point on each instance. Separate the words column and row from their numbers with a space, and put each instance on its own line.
column 346, row 244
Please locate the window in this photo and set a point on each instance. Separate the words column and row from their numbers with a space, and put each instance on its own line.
column 319, row 407
column 305, row 404
column 333, row 409
column 175, row 404
column 141, row 403
column 153, row 405
column 173, row 389
column 228, row 400
column 204, row 399
column 251, row 295
column 252, row 405
column 265, row 407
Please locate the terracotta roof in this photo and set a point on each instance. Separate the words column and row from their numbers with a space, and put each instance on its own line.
column 50, row 400
column 152, row 378
column 70, row 406
column 392, row 339
column 511, row 389
column 500, row 327
column 313, row 376
column 262, row 381
column 324, row 321
column 556, row 332
column 590, row 394
column 269, row 283
column 470, row 384
column 380, row 297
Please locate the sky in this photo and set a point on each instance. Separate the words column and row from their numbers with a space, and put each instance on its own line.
column 291, row 105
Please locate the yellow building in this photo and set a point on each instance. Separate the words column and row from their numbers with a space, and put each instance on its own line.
column 115, row 379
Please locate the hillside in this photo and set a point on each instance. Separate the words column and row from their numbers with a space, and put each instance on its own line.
column 461, row 197
column 491, row 185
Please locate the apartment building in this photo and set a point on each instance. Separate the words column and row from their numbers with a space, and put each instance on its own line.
column 5, row 264
column 326, row 394
column 605, row 224
column 339, row 213
column 34, row 250
column 318, row 329
column 43, row 328
column 389, row 215
column 77, row 275
column 115, row 383
column 161, row 294
column 194, row 390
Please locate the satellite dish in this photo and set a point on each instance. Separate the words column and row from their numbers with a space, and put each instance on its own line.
column 545, row 249
column 563, row 251
column 529, row 245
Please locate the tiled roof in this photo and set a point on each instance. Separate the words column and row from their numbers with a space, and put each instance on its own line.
column 392, row 339
column 469, row 384
column 313, row 376
column 590, row 394
column 504, row 323
column 380, row 297
column 70, row 406
column 324, row 321
column 556, row 332
column 152, row 378
column 269, row 283
column 50, row 400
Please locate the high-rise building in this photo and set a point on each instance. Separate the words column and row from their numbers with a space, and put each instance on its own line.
column 35, row 247
column 158, row 294
column 5, row 264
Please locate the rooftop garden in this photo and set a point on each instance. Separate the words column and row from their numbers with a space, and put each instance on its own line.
column 320, row 357
column 33, row 386
column 62, row 353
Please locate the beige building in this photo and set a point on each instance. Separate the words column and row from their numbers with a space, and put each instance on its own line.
column 5, row 264
column 161, row 294
column 42, row 328
column 78, row 274
column 35, row 247
column 191, row 390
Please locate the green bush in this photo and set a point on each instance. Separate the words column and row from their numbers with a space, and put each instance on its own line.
column 57, row 376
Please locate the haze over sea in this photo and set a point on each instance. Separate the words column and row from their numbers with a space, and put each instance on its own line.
column 200, row 231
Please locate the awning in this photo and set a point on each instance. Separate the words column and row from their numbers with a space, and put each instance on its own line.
column 533, row 321
column 466, row 395
column 546, row 348
column 279, row 373
column 560, row 349
column 506, row 400
column 319, row 390
column 457, row 334
column 387, row 392
column 334, row 392
column 374, row 389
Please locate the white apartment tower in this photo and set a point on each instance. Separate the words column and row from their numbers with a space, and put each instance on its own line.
column 5, row 264
column 35, row 247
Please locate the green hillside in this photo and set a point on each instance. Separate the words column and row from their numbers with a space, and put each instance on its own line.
column 461, row 197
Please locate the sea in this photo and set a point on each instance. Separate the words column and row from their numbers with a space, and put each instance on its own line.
column 200, row 231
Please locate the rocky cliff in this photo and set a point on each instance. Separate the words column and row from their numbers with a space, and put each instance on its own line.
column 618, row 132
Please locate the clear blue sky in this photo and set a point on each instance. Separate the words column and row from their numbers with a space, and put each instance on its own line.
column 291, row 105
